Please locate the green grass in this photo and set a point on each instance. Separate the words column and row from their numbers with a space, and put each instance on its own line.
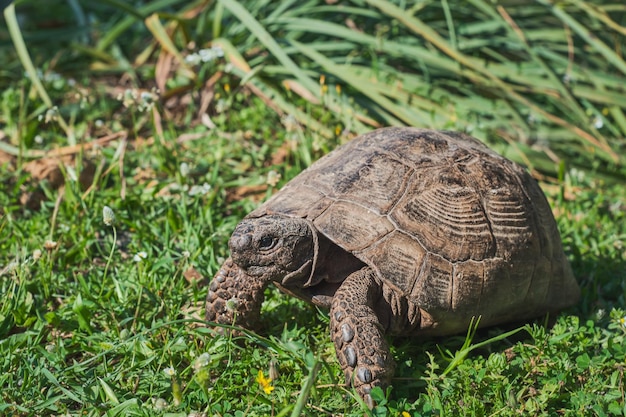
column 106, row 319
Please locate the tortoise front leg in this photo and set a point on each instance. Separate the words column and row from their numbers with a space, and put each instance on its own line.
column 358, row 334
column 235, row 297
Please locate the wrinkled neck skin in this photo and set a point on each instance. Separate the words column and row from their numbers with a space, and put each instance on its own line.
column 331, row 267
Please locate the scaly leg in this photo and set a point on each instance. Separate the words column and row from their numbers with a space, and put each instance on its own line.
column 234, row 297
column 358, row 334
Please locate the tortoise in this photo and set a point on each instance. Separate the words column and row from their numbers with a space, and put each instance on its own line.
column 401, row 231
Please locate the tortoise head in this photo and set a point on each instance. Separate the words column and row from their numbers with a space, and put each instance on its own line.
column 275, row 248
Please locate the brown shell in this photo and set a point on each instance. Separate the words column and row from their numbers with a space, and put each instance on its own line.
column 443, row 220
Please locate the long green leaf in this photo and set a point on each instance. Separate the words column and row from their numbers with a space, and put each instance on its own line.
column 268, row 41
column 22, row 52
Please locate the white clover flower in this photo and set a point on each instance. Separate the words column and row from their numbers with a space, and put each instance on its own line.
column 50, row 245
column 205, row 55
column 146, row 100
column 140, row 256
column 108, row 216
column 128, row 97
column 51, row 115
column 199, row 189
column 221, row 106
column 50, row 76
column 184, row 169
column 290, row 122
column 201, row 361
column 186, row 254
column 193, row 59
column 159, row 403
column 598, row 123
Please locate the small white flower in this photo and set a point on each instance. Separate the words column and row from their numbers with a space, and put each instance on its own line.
column 36, row 254
column 221, row 106
column 567, row 78
column 184, row 169
column 146, row 100
column 108, row 216
column 50, row 245
column 205, row 55
column 598, row 123
column 186, row 254
column 159, row 403
column 622, row 321
column 169, row 371
column 199, row 189
column 140, row 256
column 52, row 115
column 201, row 361
column 193, row 59
column 128, row 97
column 290, row 122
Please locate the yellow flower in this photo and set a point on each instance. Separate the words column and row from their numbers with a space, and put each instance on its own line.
column 405, row 414
column 265, row 383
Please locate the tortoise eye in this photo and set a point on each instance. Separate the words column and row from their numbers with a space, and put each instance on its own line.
column 266, row 242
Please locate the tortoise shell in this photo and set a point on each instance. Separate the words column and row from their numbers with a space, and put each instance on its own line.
column 442, row 220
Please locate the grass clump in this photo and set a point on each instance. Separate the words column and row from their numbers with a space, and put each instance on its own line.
column 181, row 135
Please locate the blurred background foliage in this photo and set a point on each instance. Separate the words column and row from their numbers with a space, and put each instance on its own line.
column 543, row 81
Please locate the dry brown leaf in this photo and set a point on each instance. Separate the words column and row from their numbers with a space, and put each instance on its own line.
column 300, row 90
column 193, row 276
column 280, row 156
column 254, row 192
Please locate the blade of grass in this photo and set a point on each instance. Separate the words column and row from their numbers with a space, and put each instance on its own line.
column 266, row 39
column 467, row 347
column 111, row 35
column 27, row 63
column 160, row 34
column 242, row 69
column 306, row 389
column 587, row 35
column 421, row 29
